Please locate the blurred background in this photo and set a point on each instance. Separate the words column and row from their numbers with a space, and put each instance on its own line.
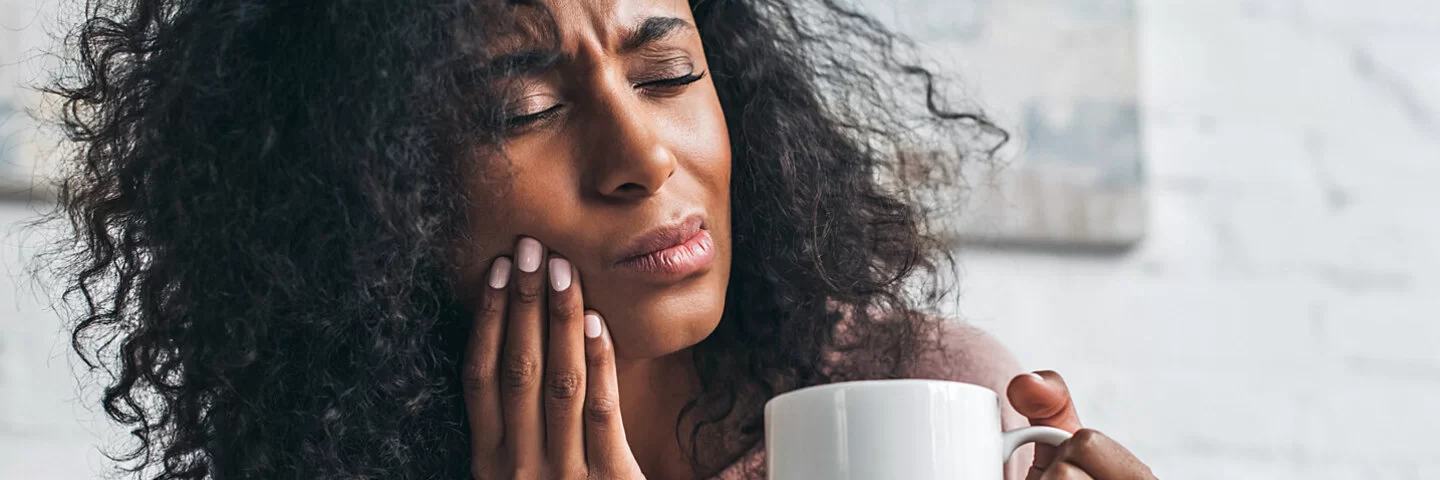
column 1220, row 220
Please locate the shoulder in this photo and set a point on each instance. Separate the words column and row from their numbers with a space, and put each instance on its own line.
column 965, row 353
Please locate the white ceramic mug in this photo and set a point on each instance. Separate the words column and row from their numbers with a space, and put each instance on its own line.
column 892, row 429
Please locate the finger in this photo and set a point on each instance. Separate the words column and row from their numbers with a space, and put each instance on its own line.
column 1065, row 471
column 482, row 361
column 1043, row 398
column 606, row 449
column 523, row 360
column 1102, row 457
column 565, row 373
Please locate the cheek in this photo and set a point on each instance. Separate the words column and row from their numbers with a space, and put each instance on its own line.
column 699, row 136
column 513, row 200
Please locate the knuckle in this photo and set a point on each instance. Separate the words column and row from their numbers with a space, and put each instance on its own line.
column 601, row 409
column 493, row 305
column 527, row 290
column 599, row 356
column 563, row 385
column 1086, row 439
column 476, row 377
column 564, row 304
column 520, row 371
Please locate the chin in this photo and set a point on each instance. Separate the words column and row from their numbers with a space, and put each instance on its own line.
column 657, row 323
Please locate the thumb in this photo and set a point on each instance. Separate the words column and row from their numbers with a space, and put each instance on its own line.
column 1044, row 398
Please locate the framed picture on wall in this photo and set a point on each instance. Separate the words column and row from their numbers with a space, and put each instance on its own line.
column 22, row 171
column 1061, row 76
column 25, row 63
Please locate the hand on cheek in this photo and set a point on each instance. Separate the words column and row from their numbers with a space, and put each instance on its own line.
column 1044, row 398
column 540, row 386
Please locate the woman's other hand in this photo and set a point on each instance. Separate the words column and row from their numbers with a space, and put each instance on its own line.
column 1043, row 398
column 540, row 385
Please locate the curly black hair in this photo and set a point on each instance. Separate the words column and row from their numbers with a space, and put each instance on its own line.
column 265, row 200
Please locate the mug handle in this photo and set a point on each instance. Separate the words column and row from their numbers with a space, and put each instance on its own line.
column 1012, row 440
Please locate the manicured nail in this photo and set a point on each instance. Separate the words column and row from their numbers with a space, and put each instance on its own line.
column 500, row 272
column 559, row 274
column 1036, row 376
column 592, row 325
column 528, row 254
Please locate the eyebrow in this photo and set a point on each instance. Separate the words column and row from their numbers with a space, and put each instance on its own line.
column 651, row 30
column 526, row 62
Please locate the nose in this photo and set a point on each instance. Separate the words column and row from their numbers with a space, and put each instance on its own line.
column 629, row 160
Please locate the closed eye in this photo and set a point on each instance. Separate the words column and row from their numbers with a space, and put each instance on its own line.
column 522, row 121
column 673, row 82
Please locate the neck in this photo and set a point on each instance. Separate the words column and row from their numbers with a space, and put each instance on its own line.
column 652, row 393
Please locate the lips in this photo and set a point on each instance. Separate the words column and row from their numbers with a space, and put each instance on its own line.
column 669, row 252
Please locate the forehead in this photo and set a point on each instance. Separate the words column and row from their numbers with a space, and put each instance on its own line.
column 603, row 22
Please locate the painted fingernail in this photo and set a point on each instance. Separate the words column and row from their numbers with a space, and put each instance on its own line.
column 559, row 274
column 500, row 272
column 528, row 254
column 1036, row 376
column 592, row 325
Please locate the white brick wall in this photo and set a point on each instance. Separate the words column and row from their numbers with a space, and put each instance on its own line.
column 1281, row 321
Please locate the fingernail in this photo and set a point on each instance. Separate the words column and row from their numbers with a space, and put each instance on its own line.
column 500, row 272
column 559, row 274
column 592, row 325
column 528, row 254
column 1036, row 376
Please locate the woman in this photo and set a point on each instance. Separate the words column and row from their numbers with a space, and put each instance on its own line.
column 508, row 239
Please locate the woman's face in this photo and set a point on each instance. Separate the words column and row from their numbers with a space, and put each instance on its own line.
column 622, row 151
